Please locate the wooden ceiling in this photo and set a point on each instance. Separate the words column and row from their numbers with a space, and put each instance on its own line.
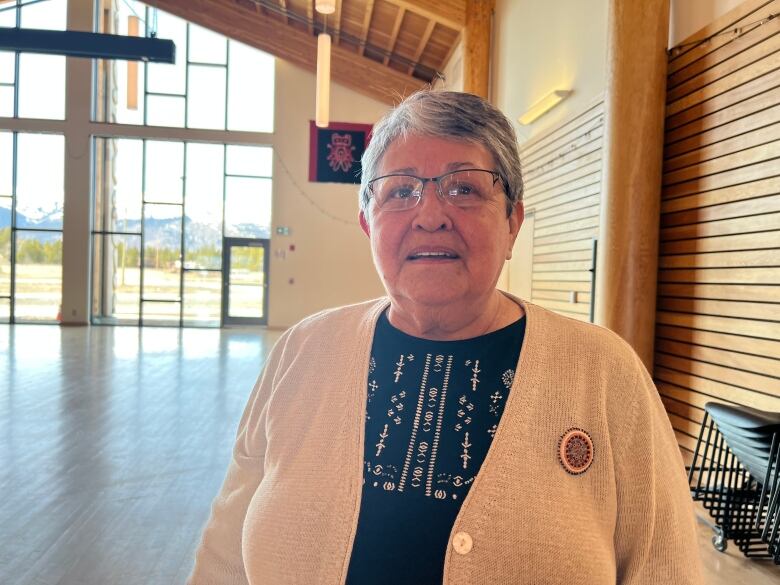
column 382, row 48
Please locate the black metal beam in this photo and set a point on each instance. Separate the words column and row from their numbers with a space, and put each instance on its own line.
column 86, row 44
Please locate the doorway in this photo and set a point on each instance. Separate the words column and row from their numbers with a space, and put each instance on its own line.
column 245, row 281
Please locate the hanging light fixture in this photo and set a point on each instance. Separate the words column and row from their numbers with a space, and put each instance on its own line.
column 321, row 117
column 132, row 67
column 325, row 6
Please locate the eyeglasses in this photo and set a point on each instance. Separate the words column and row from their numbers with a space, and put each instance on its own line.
column 461, row 188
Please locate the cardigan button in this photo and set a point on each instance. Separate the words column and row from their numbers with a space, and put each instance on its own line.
column 462, row 543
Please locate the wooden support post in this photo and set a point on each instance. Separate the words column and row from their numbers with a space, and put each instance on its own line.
column 476, row 47
column 633, row 150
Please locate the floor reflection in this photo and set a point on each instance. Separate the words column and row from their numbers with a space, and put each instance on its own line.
column 113, row 441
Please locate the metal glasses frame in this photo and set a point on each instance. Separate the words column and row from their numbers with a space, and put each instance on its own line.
column 437, row 180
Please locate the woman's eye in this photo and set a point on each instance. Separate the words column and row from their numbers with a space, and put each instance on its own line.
column 463, row 190
column 402, row 193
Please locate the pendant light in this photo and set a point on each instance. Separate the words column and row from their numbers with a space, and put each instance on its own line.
column 132, row 67
column 325, row 6
column 322, row 109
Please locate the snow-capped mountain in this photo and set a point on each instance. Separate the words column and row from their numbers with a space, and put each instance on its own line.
column 162, row 233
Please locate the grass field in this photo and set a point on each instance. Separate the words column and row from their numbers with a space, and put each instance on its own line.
column 38, row 295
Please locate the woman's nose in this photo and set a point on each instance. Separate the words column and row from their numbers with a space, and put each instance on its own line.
column 432, row 213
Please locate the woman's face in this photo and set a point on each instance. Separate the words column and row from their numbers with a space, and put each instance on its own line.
column 437, row 254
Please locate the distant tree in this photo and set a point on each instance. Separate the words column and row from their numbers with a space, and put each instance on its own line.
column 247, row 257
column 133, row 257
column 160, row 257
column 5, row 242
column 52, row 252
column 203, row 257
column 30, row 252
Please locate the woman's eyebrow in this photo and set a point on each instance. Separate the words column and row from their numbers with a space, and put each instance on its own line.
column 450, row 167
column 457, row 165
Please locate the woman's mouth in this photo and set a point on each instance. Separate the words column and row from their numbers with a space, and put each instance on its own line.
column 433, row 255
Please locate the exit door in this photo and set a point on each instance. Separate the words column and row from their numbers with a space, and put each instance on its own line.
column 245, row 281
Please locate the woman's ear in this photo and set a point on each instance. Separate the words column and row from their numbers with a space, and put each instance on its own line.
column 516, row 218
column 364, row 224
column 515, row 221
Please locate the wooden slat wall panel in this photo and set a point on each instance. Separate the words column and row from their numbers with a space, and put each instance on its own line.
column 718, row 319
column 562, row 171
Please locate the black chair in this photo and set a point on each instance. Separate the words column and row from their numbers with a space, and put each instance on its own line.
column 734, row 474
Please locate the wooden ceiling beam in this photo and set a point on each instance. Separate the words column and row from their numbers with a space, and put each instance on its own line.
column 242, row 23
column 450, row 52
column 366, row 25
column 283, row 6
column 399, row 18
column 450, row 13
column 421, row 45
column 337, row 22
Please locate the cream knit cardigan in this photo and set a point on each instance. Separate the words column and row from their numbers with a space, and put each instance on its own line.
column 288, row 510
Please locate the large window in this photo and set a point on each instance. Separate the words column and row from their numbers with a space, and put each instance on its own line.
column 32, row 86
column 216, row 83
column 162, row 211
column 31, row 205
column 181, row 169
column 31, row 171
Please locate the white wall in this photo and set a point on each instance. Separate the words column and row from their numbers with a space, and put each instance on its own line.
column 539, row 46
column 331, row 264
column 689, row 16
column 543, row 45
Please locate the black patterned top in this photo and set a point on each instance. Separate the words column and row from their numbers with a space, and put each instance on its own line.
column 433, row 409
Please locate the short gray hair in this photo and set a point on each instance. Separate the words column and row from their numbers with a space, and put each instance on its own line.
column 447, row 114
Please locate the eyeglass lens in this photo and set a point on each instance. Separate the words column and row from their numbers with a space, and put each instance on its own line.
column 460, row 188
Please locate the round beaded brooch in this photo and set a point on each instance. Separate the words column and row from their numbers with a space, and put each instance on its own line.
column 575, row 451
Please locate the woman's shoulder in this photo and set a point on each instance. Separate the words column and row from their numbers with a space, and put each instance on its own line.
column 583, row 351
column 552, row 328
column 337, row 317
column 599, row 358
column 328, row 336
column 336, row 326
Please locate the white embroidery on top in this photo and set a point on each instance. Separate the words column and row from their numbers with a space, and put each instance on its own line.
column 475, row 377
column 508, row 377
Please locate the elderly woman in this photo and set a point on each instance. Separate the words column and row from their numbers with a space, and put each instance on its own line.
column 449, row 433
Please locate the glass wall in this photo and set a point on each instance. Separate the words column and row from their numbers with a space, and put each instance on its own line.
column 32, row 86
column 31, row 210
column 161, row 207
column 216, row 83
column 162, row 211
column 31, row 170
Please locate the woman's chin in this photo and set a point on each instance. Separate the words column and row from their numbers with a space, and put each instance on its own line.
column 431, row 294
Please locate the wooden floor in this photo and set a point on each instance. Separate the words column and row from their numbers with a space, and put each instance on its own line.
column 731, row 567
column 113, row 442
